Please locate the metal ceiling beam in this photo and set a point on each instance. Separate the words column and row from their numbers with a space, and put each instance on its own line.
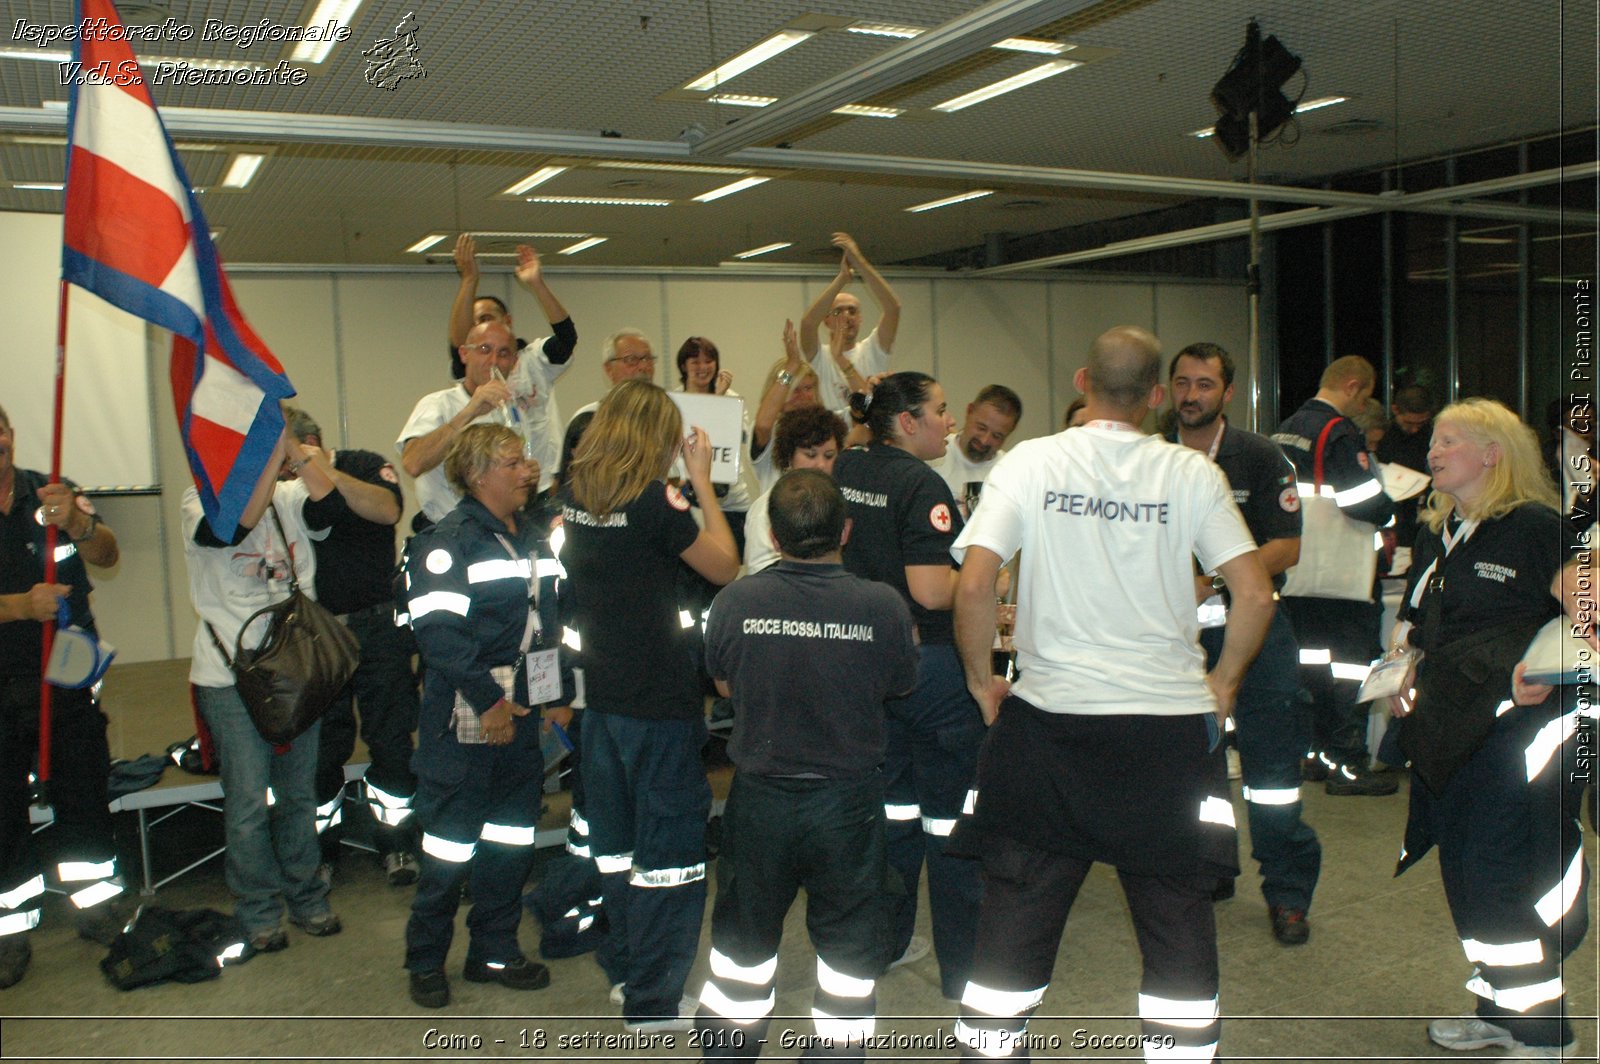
column 934, row 50
column 1453, row 200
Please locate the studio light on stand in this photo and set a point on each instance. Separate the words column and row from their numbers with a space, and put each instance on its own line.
column 1251, row 108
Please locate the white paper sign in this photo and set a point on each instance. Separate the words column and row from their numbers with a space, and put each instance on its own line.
column 544, row 676
column 1402, row 482
column 722, row 416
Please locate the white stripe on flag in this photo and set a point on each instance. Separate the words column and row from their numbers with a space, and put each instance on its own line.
column 226, row 397
column 125, row 132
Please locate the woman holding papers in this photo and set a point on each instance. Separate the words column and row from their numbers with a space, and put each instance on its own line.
column 1491, row 785
column 700, row 372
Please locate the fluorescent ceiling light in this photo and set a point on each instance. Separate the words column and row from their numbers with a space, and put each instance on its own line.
column 341, row 12
column 242, row 169
column 1005, row 85
column 728, row 190
column 777, row 44
column 582, row 245
column 1309, row 105
column 1485, row 240
column 884, row 29
column 764, row 249
column 31, row 138
column 528, row 236
column 734, row 99
column 1325, row 101
column 424, row 244
column 1033, row 44
column 38, row 186
column 599, row 201
column 976, row 193
column 534, row 180
column 40, row 57
column 686, row 168
column 862, row 110
column 147, row 62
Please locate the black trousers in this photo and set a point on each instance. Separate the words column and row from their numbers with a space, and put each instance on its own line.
column 384, row 687
column 1027, row 894
column 781, row 835
column 84, row 842
column 1338, row 640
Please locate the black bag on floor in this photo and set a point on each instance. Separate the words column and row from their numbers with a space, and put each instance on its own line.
column 177, row 945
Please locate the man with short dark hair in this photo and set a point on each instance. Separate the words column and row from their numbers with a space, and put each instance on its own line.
column 1337, row 637
column 969, row 454
column 806, row 806
column 1273, row 729
column 529, row 375
column 352, row 531
column 1108, row 748
column 1407, row 443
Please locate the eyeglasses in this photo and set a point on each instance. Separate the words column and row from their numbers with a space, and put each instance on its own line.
column 489, row 349
column 632, row 360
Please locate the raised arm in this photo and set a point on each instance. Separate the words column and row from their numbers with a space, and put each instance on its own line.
column 530, row 275
column 771, row 407
column 467, row 294
column 882, row 294
column 812, row 319
column 713, row 554
column 368, row 501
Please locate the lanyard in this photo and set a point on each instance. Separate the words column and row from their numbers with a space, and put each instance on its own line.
column 1114, row 426
column 1216, row 441
column 1452, row 540
column 531, row 628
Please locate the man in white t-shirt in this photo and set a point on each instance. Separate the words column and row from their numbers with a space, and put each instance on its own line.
column 849, row 361
column 1108, row 748
column 499, row 383
column 625, row 355
column 970, row 454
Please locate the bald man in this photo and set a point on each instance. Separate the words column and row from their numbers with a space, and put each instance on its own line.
column 1108, row 749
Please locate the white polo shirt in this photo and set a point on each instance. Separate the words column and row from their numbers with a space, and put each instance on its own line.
column 1108, row 522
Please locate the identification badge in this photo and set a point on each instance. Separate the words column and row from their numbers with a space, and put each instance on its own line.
column 544, row 676
column 1388, row 678
column 1213, row 612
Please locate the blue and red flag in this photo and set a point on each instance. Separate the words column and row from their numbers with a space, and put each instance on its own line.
column 135, row 236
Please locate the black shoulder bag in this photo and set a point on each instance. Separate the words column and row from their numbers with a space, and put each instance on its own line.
column 302, row 664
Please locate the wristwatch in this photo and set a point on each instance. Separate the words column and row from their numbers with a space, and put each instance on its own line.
column 785, row 377
column 94, row 523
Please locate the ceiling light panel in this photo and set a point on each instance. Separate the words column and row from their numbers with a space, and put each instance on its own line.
column 598, row 201
column 534, row 180
column 1005, row 85
column 765, row 249
column 340, row 12
column 242, row 169
column 728, row 190
column 774, row 45
column 683, row 168
column 950, row 201
column 424, row 244
column 582, row 245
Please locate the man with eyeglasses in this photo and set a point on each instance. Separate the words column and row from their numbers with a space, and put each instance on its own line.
column 624, row 356
column 499, row 383
column 848, row 363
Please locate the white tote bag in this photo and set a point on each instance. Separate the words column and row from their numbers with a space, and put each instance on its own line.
column 1338, row 556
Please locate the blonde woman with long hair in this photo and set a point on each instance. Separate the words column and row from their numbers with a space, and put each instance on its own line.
column 626, row 534
column 1492, row 782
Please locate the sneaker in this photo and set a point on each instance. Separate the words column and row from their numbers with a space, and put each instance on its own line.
column 102, row 923
column 15, row 953
column 1353, row 780
column 619, row 993
column 1313, row 769
column 431, row 990
column 916, row 949
column 1289, row 926
column 520, row 974
column 683, row 1021
column 402, row 868
column 269, row 940
column 1466, row 1033
column 320, row 925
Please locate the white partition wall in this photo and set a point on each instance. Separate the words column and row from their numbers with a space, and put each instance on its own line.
column 363, row 346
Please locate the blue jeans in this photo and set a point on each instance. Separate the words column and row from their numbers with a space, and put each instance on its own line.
column 272, row 852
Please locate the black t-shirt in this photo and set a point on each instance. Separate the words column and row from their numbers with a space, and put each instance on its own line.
column 355, row 557
column 1346, row 465
column 1501, row 573
column 1411, row 451
column 639, row 656
column 22, row 544
column 903, row 514
column 810, row 652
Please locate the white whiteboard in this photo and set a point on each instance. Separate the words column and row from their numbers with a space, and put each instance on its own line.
column 108, row 441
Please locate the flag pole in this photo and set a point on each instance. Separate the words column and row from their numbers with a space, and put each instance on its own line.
column 52, row 532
